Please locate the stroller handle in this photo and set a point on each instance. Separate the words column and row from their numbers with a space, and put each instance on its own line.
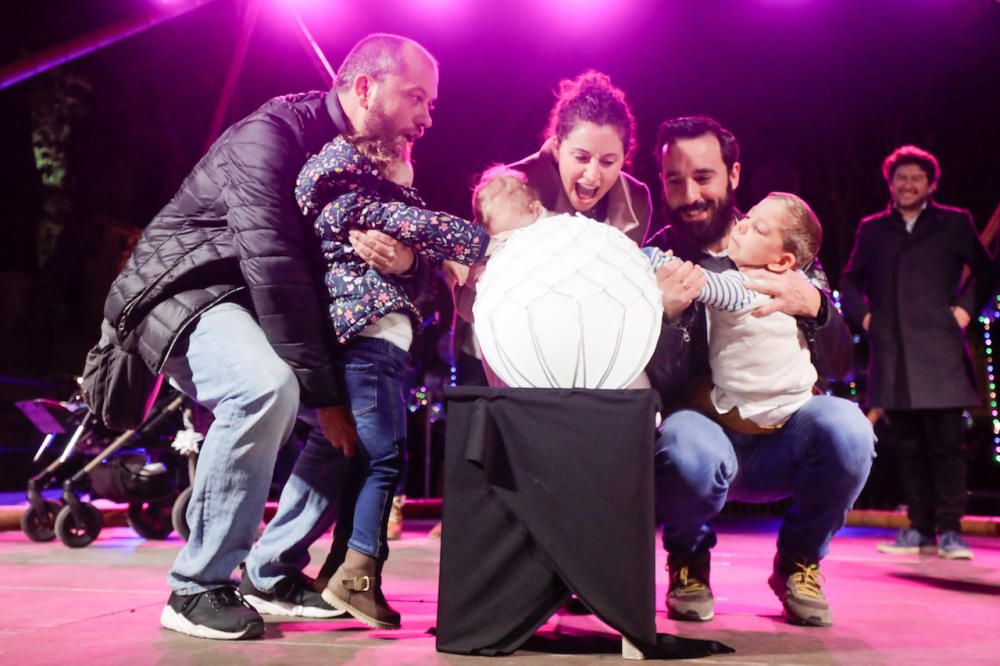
column 150, row 424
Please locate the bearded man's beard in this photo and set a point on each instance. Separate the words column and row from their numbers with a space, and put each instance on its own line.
column 714, row 228
column 377, row 123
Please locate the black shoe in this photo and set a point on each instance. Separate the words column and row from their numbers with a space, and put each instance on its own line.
column 220, row 613
column 293, row 596
column 690, row 597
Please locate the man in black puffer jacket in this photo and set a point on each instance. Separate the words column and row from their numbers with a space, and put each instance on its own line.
column 223, row 294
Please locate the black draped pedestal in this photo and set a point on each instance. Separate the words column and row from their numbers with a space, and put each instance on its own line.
column 547, row 492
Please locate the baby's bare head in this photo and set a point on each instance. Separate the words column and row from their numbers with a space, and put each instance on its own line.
column 503, row 201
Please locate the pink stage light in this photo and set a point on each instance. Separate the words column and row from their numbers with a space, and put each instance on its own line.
column 565, row 5
column 586, row 14
column 438, row 4
column 791, row 5
column 305, row 5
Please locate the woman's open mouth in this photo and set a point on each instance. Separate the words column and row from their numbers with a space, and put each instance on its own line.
column 585, row 193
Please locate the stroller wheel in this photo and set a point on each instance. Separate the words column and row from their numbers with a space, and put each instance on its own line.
column 150, row 520
column 74, row 534
column 40, row 525
column 178, row 515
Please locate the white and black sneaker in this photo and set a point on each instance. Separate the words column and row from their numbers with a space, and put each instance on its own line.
column 293, row 596
column 221, row 614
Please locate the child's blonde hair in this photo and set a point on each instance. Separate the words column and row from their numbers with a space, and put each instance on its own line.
column 381, row 152
column 802, row 231
column 500, row 182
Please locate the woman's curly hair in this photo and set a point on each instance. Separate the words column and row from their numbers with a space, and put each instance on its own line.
column 591, row 97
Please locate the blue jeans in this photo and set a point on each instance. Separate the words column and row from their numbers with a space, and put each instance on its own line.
column 820, row 458
column 325, row 487
column 227, row 365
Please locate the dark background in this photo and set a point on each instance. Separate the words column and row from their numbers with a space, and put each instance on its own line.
column 817, row 91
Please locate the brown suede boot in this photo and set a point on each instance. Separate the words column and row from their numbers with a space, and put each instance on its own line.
column 356, row 587
column 338, row 551
column 394, row 528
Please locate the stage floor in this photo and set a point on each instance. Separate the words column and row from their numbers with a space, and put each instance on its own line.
column 101, row 605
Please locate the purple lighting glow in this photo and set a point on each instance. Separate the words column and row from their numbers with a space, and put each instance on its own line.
column 586, row 13
column 306, row 5
column 438, row 4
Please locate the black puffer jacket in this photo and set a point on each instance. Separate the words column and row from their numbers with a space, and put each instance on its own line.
column 234, row 226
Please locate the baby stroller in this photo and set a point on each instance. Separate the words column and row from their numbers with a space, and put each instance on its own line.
column 138, row 467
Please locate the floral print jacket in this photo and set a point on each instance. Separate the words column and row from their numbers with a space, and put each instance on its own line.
column 344, row 190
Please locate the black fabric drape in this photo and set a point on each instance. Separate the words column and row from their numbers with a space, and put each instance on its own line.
column 547, row 492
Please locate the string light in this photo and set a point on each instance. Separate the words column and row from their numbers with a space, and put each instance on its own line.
column 853, row 385
column 991, row 381
column 419, row 398
column 452, row 359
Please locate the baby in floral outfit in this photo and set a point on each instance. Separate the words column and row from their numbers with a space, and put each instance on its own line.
column 360, row 183
column 347, row 186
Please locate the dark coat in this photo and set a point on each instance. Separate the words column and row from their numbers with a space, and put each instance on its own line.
column 234, row 227
column 909, row 282
column 680, row 364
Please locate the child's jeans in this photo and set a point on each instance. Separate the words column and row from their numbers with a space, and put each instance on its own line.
column 374, row 375
column 323, row 489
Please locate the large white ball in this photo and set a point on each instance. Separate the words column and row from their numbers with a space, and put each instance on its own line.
column 568, row 302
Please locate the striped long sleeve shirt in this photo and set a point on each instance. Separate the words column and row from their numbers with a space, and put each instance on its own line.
column 722, row 291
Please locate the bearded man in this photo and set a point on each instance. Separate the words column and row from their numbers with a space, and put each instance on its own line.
column 820, row 457
column 223, row 295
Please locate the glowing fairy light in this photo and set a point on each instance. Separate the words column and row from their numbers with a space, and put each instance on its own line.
column 991, row 377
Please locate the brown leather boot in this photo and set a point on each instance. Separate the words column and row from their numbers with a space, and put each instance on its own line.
column 335, row 558
column 394, row 528
column 356, row 587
